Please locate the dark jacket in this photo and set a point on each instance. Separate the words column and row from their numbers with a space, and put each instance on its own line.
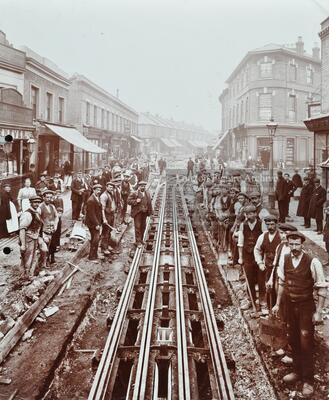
column 291, row 188
column 304, row 200
column 93, row 212
column 76, row 186
column 297, row 180
column 281, row 189
column 144, row 206
column 316, row 203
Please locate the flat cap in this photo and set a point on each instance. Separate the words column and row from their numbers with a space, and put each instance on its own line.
column 97, row 186
column 141, row 183
column 271, row 218
column 287, row 227
column 316, row 180
column 243, row 194
column 254, row 194
column 35, row 198
column 47, row 191
column 296, row 235
column 249, row 208
column 110, row 183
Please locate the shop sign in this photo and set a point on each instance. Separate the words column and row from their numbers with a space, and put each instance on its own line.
column 16, row 133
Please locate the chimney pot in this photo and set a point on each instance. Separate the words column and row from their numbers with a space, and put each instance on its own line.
column 300, row 46
column 316, row 51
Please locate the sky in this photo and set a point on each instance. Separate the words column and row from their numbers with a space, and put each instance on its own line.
column 167, row 57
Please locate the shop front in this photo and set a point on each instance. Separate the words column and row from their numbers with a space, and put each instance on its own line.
column 59, row 145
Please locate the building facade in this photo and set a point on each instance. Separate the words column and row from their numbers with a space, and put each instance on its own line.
column 275, row 81
column 104, row 119
column 16, row 117
column 166, row 136
column 318, row 118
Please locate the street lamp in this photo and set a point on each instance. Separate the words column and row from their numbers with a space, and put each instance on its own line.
column 271, row 127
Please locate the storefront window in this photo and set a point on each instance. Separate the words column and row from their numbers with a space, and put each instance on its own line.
column 290, row 151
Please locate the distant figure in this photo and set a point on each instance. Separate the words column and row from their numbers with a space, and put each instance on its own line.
column 94, row 221
column 282, row 196
column 317, row 201
column 304, row 201
column 297, row 179
column 190, row 168
column 78, row 188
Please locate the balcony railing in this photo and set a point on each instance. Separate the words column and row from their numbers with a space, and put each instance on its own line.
column 13, row 114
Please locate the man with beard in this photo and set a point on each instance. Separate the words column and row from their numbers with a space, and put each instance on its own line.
column 141, row 208
column 30, row 225
column 299, row 275
column 249, row 232
column 304, row 201
column 264, row 253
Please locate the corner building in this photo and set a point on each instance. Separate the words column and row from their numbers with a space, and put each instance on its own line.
column 275, row 81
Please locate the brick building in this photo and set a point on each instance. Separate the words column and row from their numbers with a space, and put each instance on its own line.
column 15, row 117
column 318, row 121
column 104, row 119
column 277, row 81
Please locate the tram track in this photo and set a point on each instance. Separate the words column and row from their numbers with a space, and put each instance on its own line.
column 164, row 338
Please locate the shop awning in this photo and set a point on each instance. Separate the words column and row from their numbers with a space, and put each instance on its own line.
column 168, row 143
column 73, row 136
column 176, row 143
column 220, row 140
column 198, row 144
column 137, row 139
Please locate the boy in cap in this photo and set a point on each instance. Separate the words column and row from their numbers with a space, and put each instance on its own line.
column 30, row 225
column 141, row 208
column 299, row 274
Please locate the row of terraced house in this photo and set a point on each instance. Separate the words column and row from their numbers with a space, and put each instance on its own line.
column 54, row 118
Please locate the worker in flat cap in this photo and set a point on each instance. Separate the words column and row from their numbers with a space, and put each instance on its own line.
column 126, row 189
column 318, row 198
column 141, row 208
column 49, row 216
column 299, row 275
column 30, row 240
column 249, row 232
column 264, row 253
column 109, row 209
column 94, row 221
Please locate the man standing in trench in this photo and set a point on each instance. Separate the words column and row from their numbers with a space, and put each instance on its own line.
column 298, row 275
column 141, row 208
column 30, row 225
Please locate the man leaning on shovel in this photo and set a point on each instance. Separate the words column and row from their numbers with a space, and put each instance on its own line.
column 299, row 274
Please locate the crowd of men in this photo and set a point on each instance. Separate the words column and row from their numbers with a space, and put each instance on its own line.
column 280, row 275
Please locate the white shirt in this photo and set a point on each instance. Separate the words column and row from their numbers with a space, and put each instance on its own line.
column 316, row 270
column 240, row 234
column 258, row 253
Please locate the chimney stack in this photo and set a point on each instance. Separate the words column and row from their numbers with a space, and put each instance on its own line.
column 118, row 93
column 316, row 51
column 300, row 46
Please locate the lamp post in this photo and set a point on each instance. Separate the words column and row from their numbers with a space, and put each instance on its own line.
column 271, row 127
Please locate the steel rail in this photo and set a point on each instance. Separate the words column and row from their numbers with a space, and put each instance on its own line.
column 184, row 390
column 223, row 380
column 103, row 373
column 144, row 353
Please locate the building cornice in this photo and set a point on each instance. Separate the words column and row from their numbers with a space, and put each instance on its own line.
column 33, row 64
column 318, row 124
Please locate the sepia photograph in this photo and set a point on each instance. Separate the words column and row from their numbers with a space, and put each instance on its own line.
column 164, row 199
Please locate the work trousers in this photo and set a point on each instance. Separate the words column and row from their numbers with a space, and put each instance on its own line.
column 140, row 225
column 106, row 232
column 76, row 208
column 189, row 173
column 29, row 262
column 124, row 208
column 255, row 276
column 283, row 207
column 94, row 242
column 319, row 224
column 301, row 337
column 307, row 221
